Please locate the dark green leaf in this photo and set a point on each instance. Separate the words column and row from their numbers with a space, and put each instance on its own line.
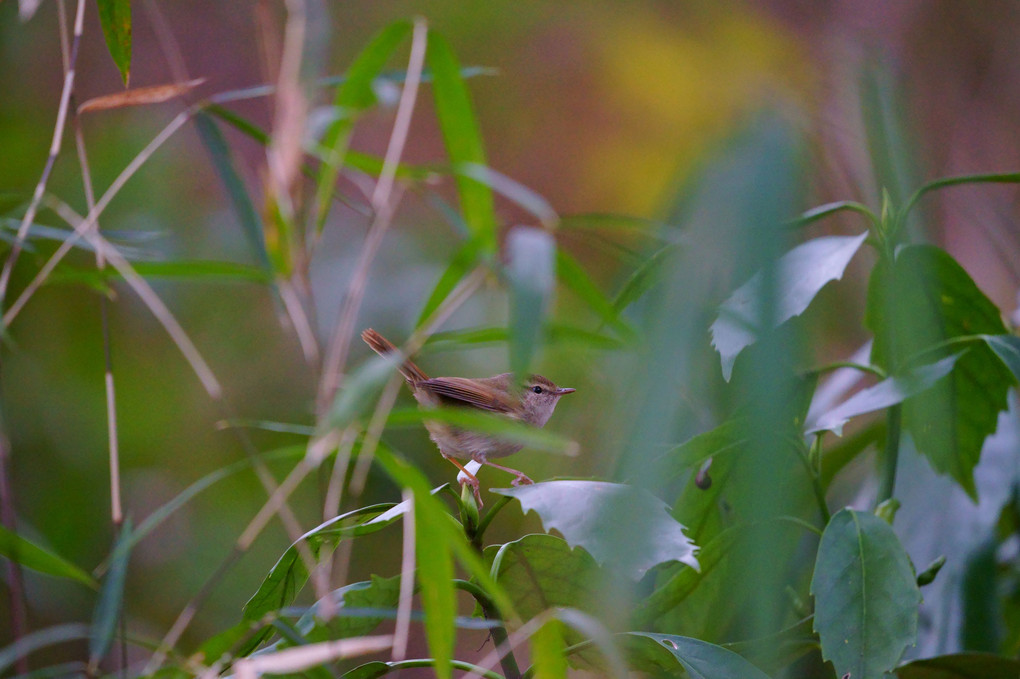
column 463, row 140
column 573, row 275
column 289, row 574
column 961, row 666
column 866, row 597
column 115, row 18
column 223, row 163
column 31, row 555
column 701, row 660
column 111, row 599
column 602, row 518
column 644, row 277
column 918, row 306
column 542, row 571
column 531, row 267
column 379, row 593
column 888, row 392
column 801, row 274
column 40, row 639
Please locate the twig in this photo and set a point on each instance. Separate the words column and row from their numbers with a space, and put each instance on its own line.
column 383, row 207
column 58, row 135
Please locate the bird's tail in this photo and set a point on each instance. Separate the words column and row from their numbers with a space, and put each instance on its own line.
column 383, row 346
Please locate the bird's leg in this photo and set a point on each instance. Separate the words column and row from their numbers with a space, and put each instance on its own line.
column 521, row 478
column 472, row 480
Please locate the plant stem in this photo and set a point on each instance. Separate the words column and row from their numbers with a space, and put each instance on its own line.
column 892, row 454
column 499, row 636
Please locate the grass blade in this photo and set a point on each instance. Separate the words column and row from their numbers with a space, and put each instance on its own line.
column 115, row 18
column 111, row 599
column 31, row 555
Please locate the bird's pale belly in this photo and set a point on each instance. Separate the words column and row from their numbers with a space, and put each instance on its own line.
column 468, row 445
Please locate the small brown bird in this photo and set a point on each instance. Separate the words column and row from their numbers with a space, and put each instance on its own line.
column 532, row 402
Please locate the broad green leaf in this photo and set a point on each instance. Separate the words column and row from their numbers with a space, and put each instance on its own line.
column 378, row 593
column 289, row 575
column 699, row 659
column 866, row 597
column 888, row 392
column 776, row 651
column 547, row 651
column 961, row 666
column 644, row 277
column 34, row 641
column 505, row 428
column 542, row 571
column 223, row 163
column 531, row 270
column 918, row 305
column 573, row 275
column 353, row 96
column 802, row 273
column 463, row 140
column 604, row 519
column 30, row 555
column 1007, row 348
column 109, row 608
column 115, row 18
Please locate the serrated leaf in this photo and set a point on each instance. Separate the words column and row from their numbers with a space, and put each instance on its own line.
column 223, row 163
column 603, row 517
column 111, row 598
column 115, row 18
column 30, row 555
column 463, row 140
column 916, row 306
column 801, row 273
column 1007, row 348
column 657, row 653
column 866, row 597
column 888, row 392
column 531, row 270
column 542, row 571
column 289, row 575
column 961, row 666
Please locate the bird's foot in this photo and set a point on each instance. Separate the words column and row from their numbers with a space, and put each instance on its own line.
column 521, row 480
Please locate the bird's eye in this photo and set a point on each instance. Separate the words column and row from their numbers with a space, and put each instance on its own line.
column 537, row 390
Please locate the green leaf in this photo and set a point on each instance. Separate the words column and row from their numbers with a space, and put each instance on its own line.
column 353, row 96
column 115, row 18
column 497, row 425
column 801, row 274
column 542, row 571
column 888, row 392
column 573, row 275
column 604, row 519
column 547, row 651
column 435, row 578
column 700, row 660
column 463, row 141
column 111, row 599
column 644, row 277
column 223, row 163
column 776, row 651
column 289, row 575
column 532, row 255
column 919, row 305
column 866, row 597
column 30, row 555
column 379, row 593
column 1007, row 348
column 961, row 666
column 461, row 263
column 355, row 395
column 822, row 211
column 184, row 269
column 40, row 639
column 512, row 190
column 995, row 178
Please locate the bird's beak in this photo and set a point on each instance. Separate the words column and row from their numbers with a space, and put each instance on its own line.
column 565, row 390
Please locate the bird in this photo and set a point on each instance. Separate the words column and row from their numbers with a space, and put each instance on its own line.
column 531, row 401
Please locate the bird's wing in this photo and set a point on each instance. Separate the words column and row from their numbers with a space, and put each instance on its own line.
column 462, row 391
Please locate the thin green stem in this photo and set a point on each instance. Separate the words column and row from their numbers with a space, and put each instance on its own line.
column 835, row 365
column 499, row 635
column 816, row 479
column 892, row 454
column 491, row 514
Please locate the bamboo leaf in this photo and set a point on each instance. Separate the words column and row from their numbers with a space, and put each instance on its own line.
column 31, row 555
column 111, row 599
column 115, row 18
